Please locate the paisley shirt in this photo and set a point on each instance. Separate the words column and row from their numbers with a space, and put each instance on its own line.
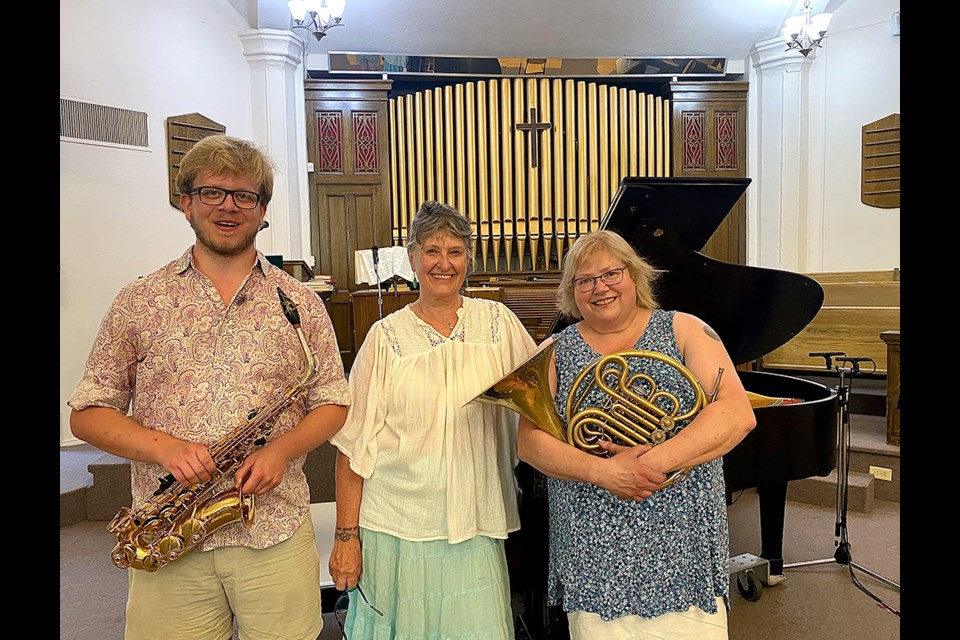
column 617, row 557
column 177, row 359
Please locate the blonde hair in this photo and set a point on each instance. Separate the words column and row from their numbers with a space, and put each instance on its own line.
column 220, row 154
column 643, row 274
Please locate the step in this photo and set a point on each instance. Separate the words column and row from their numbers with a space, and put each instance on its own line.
column 73, row 506
column 869, row 402
column 111, row 487
column 883, row 464
column 75, row 479
column 822, row 491
column 869, row 448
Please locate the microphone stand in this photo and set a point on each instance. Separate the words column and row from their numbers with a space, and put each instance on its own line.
column 842, row 555
column 376, row 274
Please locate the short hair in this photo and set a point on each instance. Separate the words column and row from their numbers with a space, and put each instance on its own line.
column 435, row 217
column 643, row 274
column 221, row 154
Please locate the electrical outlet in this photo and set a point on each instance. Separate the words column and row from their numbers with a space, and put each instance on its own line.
column 881, row 473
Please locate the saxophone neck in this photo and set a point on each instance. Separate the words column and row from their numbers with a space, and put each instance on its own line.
column 292, row 314
column 310, row 371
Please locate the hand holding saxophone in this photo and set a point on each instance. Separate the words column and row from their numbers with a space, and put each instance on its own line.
column 261, row 472
column 188, row 462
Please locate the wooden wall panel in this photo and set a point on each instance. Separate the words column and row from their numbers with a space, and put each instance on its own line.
column 709, row 139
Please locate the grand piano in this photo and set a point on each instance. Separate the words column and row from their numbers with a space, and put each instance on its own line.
column 754, row 310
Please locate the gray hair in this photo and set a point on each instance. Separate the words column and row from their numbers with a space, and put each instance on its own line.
column 435, row 217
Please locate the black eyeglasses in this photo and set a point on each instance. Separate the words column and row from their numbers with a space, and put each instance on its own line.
column 214, row 196
column 589, row 283
column 343, row 603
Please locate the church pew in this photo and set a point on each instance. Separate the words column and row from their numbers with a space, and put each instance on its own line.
column 858, row 306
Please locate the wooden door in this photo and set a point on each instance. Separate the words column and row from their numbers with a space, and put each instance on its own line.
column 348, row 148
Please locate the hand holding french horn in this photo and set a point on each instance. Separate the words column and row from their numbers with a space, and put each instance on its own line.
column 629, row 477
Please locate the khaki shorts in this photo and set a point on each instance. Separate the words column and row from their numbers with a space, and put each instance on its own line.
column 273, row 593
column 693, row 624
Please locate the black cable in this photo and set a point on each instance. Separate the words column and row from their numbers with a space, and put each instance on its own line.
column 880, row 603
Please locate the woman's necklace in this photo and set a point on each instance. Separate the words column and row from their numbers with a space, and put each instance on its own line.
column 432, row 320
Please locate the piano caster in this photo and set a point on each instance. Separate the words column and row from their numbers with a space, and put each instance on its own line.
column 751, row 572
column 748, row 584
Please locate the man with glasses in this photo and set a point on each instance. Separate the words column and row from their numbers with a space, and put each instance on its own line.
column 184, row 356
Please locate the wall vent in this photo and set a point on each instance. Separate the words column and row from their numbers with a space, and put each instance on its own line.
column 98, row 123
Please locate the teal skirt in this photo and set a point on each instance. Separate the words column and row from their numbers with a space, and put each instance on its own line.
column 430, row 591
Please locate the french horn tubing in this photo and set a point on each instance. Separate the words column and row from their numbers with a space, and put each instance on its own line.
column 635, row 411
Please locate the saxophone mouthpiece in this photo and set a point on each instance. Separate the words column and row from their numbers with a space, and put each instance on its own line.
column 289, row 308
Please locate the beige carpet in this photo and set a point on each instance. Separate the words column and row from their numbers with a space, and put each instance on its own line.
column 815, row 603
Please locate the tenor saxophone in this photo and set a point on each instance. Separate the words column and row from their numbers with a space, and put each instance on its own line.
column 179, row 517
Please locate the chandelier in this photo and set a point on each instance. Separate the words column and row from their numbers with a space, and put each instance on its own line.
column 316, row 16
column 804, row 32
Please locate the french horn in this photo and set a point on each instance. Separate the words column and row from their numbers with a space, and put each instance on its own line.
column 635, row 410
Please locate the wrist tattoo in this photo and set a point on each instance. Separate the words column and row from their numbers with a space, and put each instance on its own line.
column 345, row 534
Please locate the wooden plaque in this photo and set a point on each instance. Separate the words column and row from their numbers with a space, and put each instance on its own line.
column 880, row 163
column 183, row 132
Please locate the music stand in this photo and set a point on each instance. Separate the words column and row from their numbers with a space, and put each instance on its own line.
column 842, row 555
column 376, row 273
column 379, row 265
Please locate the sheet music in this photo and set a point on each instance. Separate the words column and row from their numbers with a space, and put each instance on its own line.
column 393, row 262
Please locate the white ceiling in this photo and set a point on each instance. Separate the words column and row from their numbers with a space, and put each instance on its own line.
column 547, row 28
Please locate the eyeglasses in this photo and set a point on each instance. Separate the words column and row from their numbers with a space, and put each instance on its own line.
column 589, row 283
column 214, row 196
column 343, row 603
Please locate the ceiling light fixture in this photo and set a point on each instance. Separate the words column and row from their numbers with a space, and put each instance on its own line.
column 316, row 16
column 804, row 32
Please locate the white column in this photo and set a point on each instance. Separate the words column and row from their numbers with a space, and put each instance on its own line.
column 778, row 214
column 279, row 125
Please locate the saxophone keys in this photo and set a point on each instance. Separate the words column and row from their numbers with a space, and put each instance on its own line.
column 193, row 530
column 170, row 547
column 120, row 521
column 151, row 562
column 123, row 555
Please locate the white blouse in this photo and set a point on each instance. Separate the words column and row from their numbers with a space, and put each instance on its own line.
column 435, row 465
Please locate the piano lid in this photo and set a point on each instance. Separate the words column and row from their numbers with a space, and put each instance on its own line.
column 754, row 310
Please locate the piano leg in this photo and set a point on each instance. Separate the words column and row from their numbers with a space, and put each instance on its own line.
column 528, row 558
column 773, row 505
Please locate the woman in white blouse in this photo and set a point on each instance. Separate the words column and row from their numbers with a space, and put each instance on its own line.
column 425, row 486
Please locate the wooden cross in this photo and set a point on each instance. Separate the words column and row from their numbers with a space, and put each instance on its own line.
column 535, row 128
